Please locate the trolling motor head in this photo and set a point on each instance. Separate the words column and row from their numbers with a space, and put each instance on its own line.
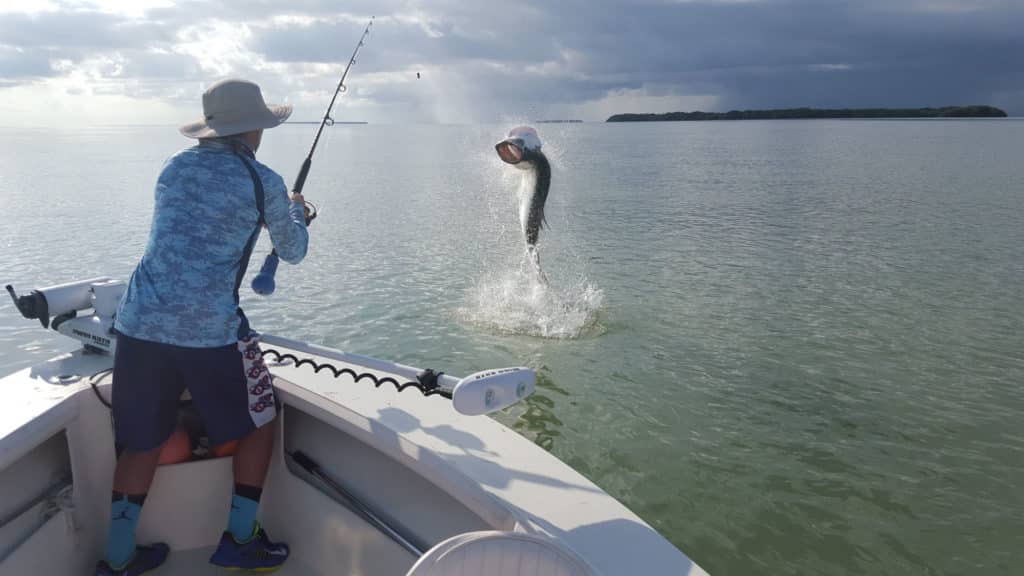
column 518, row 145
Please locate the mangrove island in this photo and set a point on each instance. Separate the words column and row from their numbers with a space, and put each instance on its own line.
column 802, row 113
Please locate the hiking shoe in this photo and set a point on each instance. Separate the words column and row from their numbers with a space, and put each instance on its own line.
column 145, row 559
column 257, row 553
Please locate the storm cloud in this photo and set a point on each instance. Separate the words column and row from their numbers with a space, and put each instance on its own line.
column 487, row 61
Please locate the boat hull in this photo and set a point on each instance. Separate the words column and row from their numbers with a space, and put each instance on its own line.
column 420, row 464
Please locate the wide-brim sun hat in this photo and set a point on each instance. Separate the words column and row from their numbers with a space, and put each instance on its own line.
column 235, row 106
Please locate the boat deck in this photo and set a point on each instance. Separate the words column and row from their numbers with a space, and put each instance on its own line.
column 195, row 562
column 416, row 461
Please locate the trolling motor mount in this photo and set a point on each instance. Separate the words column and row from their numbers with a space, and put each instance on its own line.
column 63, row 302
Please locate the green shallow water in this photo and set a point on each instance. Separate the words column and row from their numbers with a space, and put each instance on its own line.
column 792, row 347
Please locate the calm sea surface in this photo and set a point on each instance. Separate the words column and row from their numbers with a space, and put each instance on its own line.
column 792, row 347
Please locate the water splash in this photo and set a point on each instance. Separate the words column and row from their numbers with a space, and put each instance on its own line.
column 510, row 295
column 517, row 301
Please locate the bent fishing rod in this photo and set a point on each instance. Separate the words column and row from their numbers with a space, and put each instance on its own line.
column 263, row 283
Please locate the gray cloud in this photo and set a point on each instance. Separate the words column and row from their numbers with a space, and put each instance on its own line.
column 78, row 30
column 488, row 60
column 18, row 65
column 756, row 54
column 31, row 44
column 772, row 53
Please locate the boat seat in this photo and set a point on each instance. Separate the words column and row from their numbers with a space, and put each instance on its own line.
column 500, row 554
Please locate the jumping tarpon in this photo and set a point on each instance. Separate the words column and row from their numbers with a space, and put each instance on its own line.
column 522, row 149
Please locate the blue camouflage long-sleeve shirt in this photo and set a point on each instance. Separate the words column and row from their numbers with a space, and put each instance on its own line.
column 183, row 290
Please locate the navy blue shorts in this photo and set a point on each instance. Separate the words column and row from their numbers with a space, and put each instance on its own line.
column 230, row 387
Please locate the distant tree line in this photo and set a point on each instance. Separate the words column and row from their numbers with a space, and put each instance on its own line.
column 795, row 113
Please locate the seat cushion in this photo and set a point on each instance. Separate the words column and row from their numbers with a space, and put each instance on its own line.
column 500, row 554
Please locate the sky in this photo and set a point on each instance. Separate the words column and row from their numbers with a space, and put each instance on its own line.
column 100, row 62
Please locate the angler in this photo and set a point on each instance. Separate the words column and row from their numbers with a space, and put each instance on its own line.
column 179, row 324
column 179, row 321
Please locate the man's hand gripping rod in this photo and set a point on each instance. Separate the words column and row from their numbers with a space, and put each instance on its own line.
column 263, row 283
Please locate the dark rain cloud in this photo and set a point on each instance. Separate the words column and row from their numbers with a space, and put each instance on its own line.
column 749, row 54
column 505, row 57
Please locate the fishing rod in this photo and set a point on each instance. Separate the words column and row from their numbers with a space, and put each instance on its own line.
column 263, row 283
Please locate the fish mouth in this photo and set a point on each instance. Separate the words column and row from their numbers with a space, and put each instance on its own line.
column 518, row 145
column 510, row 150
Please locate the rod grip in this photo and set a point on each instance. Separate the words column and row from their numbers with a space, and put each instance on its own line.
column 300, row 180
column 264, row 283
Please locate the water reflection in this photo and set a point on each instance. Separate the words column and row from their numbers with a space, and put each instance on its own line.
column 538, row 421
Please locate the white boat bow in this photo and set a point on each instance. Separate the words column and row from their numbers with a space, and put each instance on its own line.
column 460, row 488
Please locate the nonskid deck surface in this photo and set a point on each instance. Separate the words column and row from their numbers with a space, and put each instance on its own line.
column 196, row 562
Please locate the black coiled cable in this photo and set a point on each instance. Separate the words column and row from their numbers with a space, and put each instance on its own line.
column 427, row 383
